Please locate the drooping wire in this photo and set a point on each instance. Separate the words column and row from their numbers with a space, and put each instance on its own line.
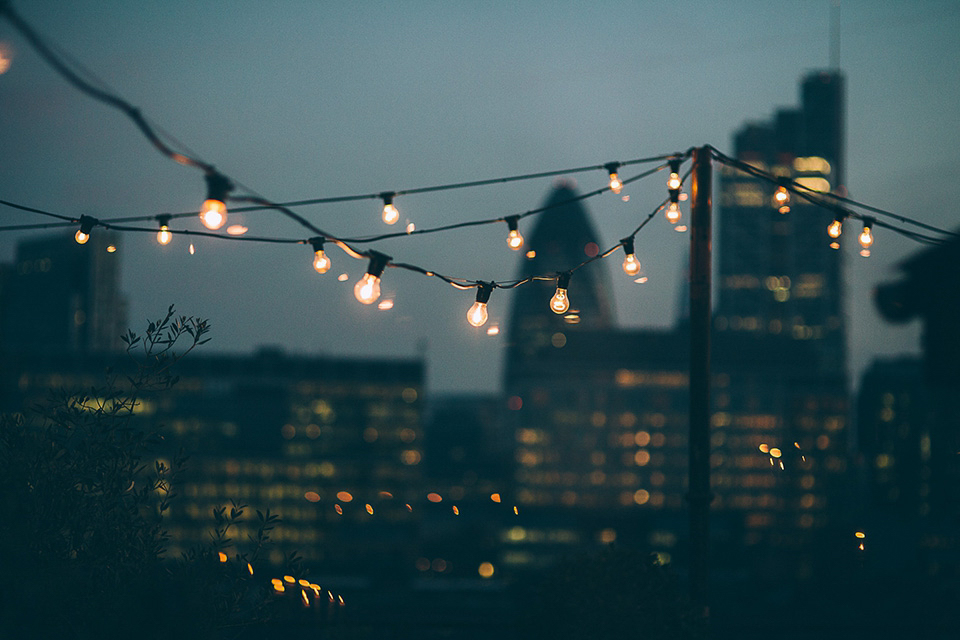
column 829, row 200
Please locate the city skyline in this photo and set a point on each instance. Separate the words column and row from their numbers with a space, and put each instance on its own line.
column 394, row 147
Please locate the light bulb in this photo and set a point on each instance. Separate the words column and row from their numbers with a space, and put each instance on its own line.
column 164, row 236
column 213, row 214
column 673, row 182
column 835, row 228
column 477, row 315
column 367, row 290
column 390, row 214
column 631, row 266
column 321, row 262
column 86, row 226
column 615, row 184
column 781, row 197
column 866, row 236
column 673, row 213
column 514, row 239
column 560, row 302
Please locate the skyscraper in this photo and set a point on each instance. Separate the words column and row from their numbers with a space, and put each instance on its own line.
column 60, row 296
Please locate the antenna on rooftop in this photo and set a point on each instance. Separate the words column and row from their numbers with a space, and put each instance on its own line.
column 835, row 35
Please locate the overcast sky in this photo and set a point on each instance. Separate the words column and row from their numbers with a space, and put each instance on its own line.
column 309, row 99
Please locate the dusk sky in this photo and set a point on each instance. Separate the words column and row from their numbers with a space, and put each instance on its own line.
column 306, row 99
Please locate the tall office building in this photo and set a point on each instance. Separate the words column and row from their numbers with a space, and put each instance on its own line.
column 60, row 296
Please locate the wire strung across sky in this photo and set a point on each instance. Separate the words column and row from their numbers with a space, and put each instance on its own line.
column 62, row 63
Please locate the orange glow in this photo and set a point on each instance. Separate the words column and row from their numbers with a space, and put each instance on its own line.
column 680, row 228
column 456, row 511
column 673, row 182
column 367, row 289
column 477, row 314
column 861, row 546
column 81, row 237
column 641, row 496
column 673, row 213
column 6, row 57
column 835, row 229
column 338, row 509
column 306, row 601
column 615, row 184
column 321, row 262
column 775, row 452
column 250, row 568
column 642, row 458
column 237, row 230
column 164, row 236
column 495, row 497
column 222, row 556
column 516, row 511
column 111, row 248
column 560, row 302
column 781, row 197
column 860, row 534
column 289, row 579
column 344, row 496
column 340, row 599
column 434, row 497
column 386, row 494
column 369, row 508
column 312, row 496
column 385, row 305
column 765, row 448
column 631, row 266
column 390, row 213
column 303, row 582
column 213, row 214
column 531, row 254
column 485, row 570
column 866, row 237
column 514, row 240
column 411, row 228
column 278, row 587
column 409, row 508
column 192, row 249
column 343, row 277
column 492, row 331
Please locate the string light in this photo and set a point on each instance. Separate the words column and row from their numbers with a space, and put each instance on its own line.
column 781, row 198
column 560, row 302
column 367, row 289
column 86, row 226
column 673, row 212
column 213, row 213
column 164, row 236
column 390, row 213
column 321, row 262
column 835, row 229
column 673, row 182
column 477, row 314
column 631, row 266
column 866, row 237
column 514, row 239
column 615, row 183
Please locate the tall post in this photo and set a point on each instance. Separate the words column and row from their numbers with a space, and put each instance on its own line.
column 699, row 496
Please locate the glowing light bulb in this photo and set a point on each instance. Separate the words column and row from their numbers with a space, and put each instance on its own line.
column 673, row 213
column 86, row 226
column 213, row 213
column 514, row 239
column 560, row 302
column 390, row 213
column 367, row 290
column 615, row 184
column 320, row 260
column 673, row 182
column 631, row 266
column 866, row 236
column 164, row 236
column 477, row 314
column 781, row 197
column 835, row 228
